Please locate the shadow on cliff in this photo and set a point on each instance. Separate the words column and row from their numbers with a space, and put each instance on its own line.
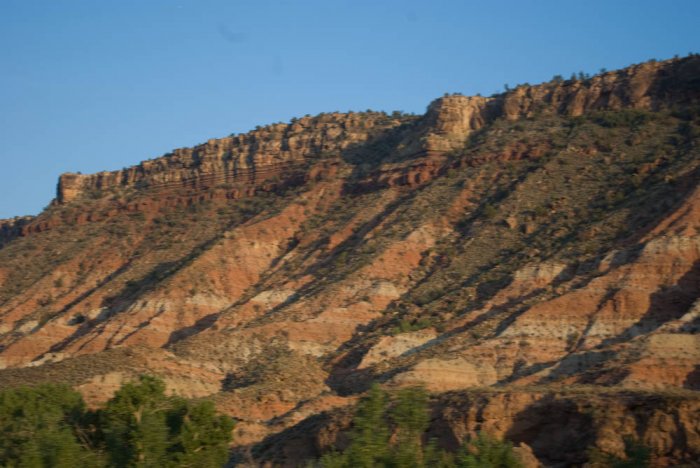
column 665, row 305
column 346, row 379
column 130, row 294
column 561, row 428
column 556, row 430
column 86, row 325
column 303, row 441
column 400, row 144
column 380, row 148
column 329, row 267
column 692, row 380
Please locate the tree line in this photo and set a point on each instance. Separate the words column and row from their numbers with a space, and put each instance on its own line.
column 50, row 425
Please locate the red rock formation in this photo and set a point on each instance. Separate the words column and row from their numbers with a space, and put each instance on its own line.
column 552, row 248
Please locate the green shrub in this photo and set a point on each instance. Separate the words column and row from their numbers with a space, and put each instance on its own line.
column 489, row 211
column 487, row 452
column 621, row 118
column 406, row 326
column 637, row 455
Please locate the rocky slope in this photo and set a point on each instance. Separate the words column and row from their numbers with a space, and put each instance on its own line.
column 541, row 245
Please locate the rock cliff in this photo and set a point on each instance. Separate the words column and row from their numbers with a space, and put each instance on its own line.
column 246, row 160
column 251, row 159
column 518, row 255
column 11, row 228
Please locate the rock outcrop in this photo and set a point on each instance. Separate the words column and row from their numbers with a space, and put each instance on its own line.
column 245, row 160
column 11, row 228
column 558, row 428
column 252, row 158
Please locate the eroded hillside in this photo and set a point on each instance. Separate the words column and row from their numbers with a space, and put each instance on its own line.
column 519, row 255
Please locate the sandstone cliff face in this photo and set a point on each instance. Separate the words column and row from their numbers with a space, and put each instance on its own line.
column 252, row 158
column 548, row 236
column 451, row 119
column 245, row 160
column 650, row 85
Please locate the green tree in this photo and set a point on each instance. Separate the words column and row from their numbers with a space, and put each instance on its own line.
column 134, row 424
column 638, row 455
column 143, row 427
column 333, row 459
column 488, row 452
column 410, row 414
column 372, row 446
column 41, row 427
column 370, row 435
column 201, row 437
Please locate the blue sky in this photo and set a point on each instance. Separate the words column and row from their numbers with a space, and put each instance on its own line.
column 91, row 85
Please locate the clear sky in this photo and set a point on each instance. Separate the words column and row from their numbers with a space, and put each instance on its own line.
column 91, row 85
